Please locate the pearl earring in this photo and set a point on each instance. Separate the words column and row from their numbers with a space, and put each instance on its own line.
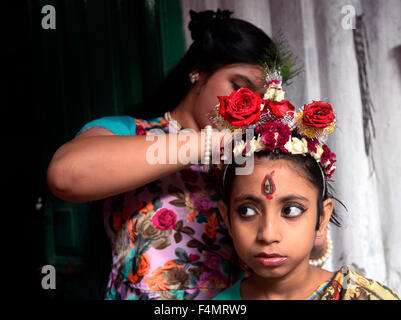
column 193, row 77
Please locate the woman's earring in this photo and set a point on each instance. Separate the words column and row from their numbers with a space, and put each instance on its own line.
column 193, row 77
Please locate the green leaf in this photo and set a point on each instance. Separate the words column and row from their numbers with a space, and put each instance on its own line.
column 181, row 254
column 179, row 261
column 192, row 280
column 188, row 230
column 177, row 237
column 178, row 203
column 197, row 263
column 179, row 225
column 194, row 244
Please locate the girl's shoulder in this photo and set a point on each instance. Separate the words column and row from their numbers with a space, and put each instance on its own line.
column 349, row 284
column 231, row 293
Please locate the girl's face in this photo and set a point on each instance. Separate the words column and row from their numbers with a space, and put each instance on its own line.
column 273, row 217
column 222, row 83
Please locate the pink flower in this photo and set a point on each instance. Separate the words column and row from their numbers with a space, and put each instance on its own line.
column 274, row 135
column 327, row 155
column 140, row 131
column 211, row 260
column 312, row 145
column 201, row 201
column 164, row 219
column 327, row 160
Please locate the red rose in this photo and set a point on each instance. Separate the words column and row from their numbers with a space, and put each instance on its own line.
column 242, row 107
column 318, row 114
column 279, row 108
column 164, row 219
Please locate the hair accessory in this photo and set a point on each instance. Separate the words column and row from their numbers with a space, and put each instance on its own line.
column 278, row 126
column 329, row 247
column 193, row 77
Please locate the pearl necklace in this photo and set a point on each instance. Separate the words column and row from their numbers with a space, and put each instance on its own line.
column 172, row 121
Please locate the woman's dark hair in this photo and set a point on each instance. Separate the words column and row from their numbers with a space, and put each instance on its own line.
column 307, row 166
column 218, row 41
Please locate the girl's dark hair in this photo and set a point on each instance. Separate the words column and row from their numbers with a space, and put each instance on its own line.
column 307, row 166
column 218, row 41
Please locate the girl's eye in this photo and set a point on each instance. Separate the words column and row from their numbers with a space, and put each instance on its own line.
column 246, row 212
column 292, row 211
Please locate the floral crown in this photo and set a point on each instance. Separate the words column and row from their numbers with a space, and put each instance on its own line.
column 278, row 126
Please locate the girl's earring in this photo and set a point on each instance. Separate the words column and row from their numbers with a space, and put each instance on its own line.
column 329, row 247
column 193, row 77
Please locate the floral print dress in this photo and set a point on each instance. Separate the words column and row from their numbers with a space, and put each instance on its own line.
column 168, row 241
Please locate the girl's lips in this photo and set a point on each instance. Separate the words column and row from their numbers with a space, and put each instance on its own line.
column 270, row 260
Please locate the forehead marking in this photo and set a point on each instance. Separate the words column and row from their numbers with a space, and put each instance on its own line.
column 268, row 186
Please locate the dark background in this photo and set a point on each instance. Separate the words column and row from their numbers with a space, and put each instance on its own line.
column 104, row 58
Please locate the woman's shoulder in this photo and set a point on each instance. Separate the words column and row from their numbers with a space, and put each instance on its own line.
column 125, row 125
column 355, row 286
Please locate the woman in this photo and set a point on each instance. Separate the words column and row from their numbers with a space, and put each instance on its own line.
column 162, row 219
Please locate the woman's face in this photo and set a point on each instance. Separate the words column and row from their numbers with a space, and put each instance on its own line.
column 273, row 217
column 222, row 83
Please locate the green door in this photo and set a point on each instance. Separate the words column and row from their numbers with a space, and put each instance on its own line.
column 102, row 58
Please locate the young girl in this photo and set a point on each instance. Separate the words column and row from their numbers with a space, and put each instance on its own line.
column 275, row 214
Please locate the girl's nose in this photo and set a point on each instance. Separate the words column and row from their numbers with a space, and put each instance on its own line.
column 269, row 230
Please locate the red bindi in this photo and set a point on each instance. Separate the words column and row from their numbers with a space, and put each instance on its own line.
column 268, row 186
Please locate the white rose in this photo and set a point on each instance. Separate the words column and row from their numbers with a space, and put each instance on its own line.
column 279, row 95
column 269, row 94
column 239, row 146
column 256, row 144
column 274, row 92
column 297, row 146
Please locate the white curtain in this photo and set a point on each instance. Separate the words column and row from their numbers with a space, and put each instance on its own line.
column 320, row 34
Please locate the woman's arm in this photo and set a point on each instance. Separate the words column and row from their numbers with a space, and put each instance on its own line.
column 98, row 164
